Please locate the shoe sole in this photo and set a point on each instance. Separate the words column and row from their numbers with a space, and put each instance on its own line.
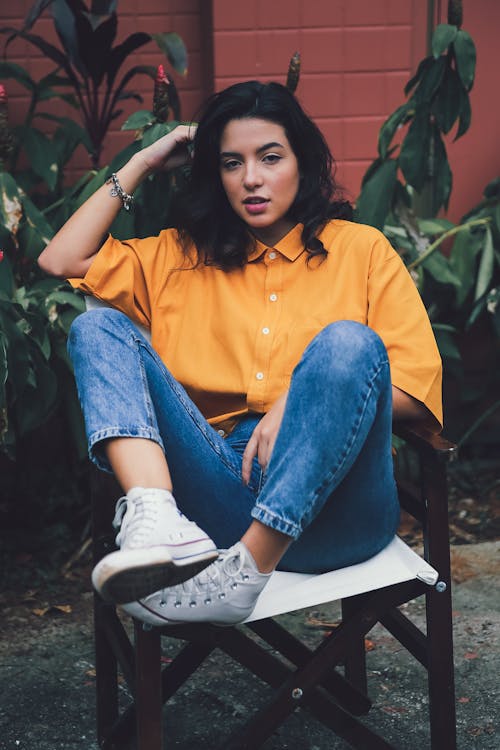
column 123, row 578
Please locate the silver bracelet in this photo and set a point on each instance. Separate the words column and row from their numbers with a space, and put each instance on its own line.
column 117, row 190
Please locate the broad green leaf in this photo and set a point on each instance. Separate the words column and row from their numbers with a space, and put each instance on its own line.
column 465, row 54
column 96, row 35
column 439, row 268
column 42, row 155
column 37, row 222
column 492, row 189
column 155, row 132
column 12, row 70
column 66, row 318
column 390, row 126
column 446, row 343
column 121, row 52
column 175, row 49
column 65, row 298
column 486, row 266
column 463, row 261
column 442, row 180
column 65, row 21
column 423, row 66
column 92, row 185
column 430, row 80
column 123, row 156
column 465, row 114
column 414, row 156
column 443, row 36
column 39, row 398
column 19, row 363
column 447, row 106
column 140, row 119
column 375, row 199
column 11, row 211
column 434, row 226
column 6, row 276
column 49, row 50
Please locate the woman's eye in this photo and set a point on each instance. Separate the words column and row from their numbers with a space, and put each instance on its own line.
column 271, row 158
column 230, row 164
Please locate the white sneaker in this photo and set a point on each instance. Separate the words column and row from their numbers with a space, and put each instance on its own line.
column 159, row 547
column 225, row 593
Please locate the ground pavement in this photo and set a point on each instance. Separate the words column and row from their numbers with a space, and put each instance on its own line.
column 47, row 676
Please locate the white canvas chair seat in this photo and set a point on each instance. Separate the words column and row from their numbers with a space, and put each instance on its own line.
column 287, row 592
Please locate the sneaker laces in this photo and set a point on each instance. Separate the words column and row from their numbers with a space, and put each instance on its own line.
column 135, row 519
column 220, row 575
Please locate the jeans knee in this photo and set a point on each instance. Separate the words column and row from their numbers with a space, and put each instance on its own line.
column 345, row 346
column 87, row 325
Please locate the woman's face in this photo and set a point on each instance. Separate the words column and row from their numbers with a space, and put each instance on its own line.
column 260, row 175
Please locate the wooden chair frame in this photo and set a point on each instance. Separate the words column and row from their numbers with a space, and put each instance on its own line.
column 311, row 680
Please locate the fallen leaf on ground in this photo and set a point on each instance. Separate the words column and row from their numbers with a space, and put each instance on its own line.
column 316, row 622
column 41, row 611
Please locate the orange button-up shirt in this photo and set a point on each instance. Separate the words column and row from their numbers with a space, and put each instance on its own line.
column 233, row 338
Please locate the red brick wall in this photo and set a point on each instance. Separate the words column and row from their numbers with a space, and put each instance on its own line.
column 182, row 16
column 356, row 57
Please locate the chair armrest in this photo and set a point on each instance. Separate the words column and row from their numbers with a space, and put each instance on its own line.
column 426, row 442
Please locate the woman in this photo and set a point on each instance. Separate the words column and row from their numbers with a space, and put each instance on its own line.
column 292, row 339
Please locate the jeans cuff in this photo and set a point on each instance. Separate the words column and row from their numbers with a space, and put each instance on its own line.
column 96, row 454
column 268, row 518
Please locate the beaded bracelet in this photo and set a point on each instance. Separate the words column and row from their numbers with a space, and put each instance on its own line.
column 117, row 190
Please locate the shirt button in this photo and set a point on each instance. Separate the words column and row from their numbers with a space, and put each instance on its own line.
column 272, row 255
column 265, row 331
column 260, row 376
column 273, row 297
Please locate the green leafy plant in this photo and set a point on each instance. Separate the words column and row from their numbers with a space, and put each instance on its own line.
column 46, row 156
column 88, row 64
column 402, row 192
column 35, row 313
column 35, row 316
column 418, row 166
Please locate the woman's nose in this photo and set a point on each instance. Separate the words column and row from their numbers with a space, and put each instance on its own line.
column 252, row 176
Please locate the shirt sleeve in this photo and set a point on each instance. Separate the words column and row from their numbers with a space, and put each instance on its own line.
column 396, row 312
column 120, row 276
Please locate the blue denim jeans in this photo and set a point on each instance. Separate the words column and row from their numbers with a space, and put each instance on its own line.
column 329, row 484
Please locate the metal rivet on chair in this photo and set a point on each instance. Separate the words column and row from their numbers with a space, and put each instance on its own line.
column 297, row 694
column 441, row 587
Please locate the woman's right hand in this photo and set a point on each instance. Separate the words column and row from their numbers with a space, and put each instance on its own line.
column 171, row 150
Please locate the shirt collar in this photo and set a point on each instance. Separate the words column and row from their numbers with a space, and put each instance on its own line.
column 291, row 245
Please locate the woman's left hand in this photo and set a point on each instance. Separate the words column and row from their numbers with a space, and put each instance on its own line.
column 263, row 438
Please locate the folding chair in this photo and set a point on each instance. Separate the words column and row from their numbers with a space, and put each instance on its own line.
column 370, row 592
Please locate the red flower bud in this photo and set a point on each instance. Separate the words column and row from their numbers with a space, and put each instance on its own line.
column 3, row 94
column 1, row 255
column 161, row 76
column 160, row 96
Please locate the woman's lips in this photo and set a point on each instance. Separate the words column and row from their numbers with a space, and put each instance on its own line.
column 255, row 205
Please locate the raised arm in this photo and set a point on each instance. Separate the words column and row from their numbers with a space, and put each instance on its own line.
column 70, row 253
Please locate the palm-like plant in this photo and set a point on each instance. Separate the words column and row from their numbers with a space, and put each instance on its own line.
column 88, row 62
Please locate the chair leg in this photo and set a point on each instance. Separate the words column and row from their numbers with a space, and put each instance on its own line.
column 106, row 675
column 442, row 712
column 148, row 697
column 355, row 660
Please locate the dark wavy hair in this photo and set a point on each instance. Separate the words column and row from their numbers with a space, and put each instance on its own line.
column 205, row 215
